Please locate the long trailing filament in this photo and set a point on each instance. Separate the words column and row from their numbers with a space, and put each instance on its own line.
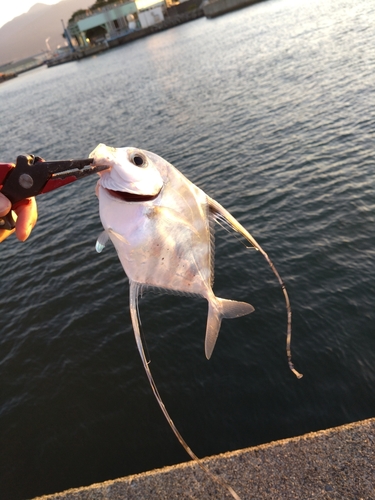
column 221, row 215
column 134, row 312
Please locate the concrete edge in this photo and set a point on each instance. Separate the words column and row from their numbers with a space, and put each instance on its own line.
column 333, row 463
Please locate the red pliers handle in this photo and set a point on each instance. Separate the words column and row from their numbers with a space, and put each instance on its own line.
column 31, row 176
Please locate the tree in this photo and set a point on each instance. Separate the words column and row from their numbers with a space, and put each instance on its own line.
column 96, row 5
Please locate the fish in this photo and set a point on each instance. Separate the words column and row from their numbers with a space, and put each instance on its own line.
column 161, row 225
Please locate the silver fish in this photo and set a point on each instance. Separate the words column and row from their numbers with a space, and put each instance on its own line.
column 161, row 226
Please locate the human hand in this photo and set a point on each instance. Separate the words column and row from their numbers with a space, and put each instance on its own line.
column 26, row 213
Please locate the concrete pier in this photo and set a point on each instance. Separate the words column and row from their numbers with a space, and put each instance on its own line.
column 338, row 463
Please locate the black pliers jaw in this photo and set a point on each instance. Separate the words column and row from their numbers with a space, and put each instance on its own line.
column 32, row 176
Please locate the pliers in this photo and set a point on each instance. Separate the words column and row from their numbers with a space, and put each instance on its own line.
column 31, row 176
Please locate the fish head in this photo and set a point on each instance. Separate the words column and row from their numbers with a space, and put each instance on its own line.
column 131, row 171
column 132, row 181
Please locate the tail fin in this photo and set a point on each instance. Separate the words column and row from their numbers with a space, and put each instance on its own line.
column 217, row 310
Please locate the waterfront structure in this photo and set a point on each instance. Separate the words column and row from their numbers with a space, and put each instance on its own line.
column 214, row 8
column 151, row 16
column 111, row 21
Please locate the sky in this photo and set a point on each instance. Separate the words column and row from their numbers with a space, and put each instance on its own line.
column 14, row 8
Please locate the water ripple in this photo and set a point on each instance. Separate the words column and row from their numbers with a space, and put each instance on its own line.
column 270, row 111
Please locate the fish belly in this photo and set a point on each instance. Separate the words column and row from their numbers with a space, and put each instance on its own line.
column 159, row 247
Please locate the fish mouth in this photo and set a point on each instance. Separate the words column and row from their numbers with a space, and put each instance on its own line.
column 124, row 196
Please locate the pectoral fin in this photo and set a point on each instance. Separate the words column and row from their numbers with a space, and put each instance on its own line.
column 104, row 237
column 118, row 236
column 172, row 219
column 217, row 310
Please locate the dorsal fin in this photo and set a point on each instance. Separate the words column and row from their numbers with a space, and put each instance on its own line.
column 217, row 209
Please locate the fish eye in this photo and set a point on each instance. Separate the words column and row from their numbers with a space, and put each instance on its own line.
column 138, row 160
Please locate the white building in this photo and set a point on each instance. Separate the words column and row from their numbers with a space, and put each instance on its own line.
column 111, row 21
column 151, row 16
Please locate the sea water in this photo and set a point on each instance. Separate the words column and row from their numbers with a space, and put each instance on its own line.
column 271, row 111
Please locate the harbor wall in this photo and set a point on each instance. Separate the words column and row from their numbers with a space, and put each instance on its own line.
column 218, row 7
column 337, row 463
column 169, row 22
